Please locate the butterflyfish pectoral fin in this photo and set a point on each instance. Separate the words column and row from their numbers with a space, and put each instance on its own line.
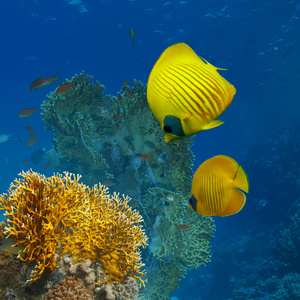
column 213, row 124
column 236, row 202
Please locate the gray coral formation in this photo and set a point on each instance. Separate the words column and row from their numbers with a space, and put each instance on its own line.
column 117, row 140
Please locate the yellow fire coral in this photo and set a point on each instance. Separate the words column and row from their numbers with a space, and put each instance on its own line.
column 42, row 213
column 110, row 235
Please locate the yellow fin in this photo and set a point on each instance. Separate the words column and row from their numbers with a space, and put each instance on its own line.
column 231, row 170
column 223, row 165
column 235, row 204
column 213, row 124
column 241, row 180
column 177, row 54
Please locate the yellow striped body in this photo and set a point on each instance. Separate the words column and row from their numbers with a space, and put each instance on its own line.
column 188, row 88
column 217, row 186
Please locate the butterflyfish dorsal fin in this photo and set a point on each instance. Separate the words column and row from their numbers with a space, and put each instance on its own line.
column 227, row 167
column 179, row 53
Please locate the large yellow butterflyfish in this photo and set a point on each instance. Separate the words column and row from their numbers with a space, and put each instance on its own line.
column 186, row 93
column 217, row 187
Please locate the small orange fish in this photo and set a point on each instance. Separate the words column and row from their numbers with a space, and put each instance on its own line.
column 51, row 79
column 145, row 157
column 132, row 34
column 26, row 112
column 109, row 183
column 117, row 118
column 129, row 93
column 162, row 250
column 64, row 88
column 183, row 227
column 47, row 165
column 31, row 141
column 25, row 161
column 125, row 83
column 120, row 97
column 30, row 130
column 76, row 153
column 37, row 84
column 134, row 204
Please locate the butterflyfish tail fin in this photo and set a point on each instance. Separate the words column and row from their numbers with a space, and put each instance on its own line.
column 241, row 180
column 236, row 202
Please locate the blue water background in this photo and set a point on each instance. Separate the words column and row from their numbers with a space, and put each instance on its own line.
column 257, row 41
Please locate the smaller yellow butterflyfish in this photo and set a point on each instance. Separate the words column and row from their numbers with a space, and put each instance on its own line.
column 217, row 187
column 186, row 93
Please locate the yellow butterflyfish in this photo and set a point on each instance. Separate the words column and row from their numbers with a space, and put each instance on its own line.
column 217, row 187
column 186, row 93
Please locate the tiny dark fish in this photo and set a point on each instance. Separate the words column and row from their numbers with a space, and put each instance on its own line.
column 30, row 130
column 132, row 34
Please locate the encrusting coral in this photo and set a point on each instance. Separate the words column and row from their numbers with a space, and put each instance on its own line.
column 49, row 217
column 70, row 288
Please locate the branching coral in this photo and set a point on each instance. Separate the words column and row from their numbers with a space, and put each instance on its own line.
column 65, row 115
column 123, row 134
column 111, row 234
column 42, row 213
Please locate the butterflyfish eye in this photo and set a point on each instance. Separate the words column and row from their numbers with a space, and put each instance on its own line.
column 173, row 125
column 193, row 202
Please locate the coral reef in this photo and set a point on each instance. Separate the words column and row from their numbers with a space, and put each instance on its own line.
column 47, row 218
column 117, row 140
column 70, row 288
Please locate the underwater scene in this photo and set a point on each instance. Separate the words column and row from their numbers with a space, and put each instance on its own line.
column 150, row 150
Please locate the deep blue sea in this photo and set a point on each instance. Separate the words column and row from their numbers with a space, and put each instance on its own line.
column 257, row 41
